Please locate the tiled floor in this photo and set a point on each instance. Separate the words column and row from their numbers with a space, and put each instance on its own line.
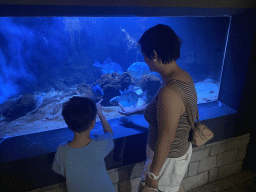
column 244, row 181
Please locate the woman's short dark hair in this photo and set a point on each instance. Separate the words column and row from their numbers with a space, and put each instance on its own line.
column 163, row 40
column 79, row 113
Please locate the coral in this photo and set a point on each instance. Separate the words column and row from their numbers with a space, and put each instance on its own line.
column 111, row 83
column 126, row 80
column 151, row 84
column 84, row 90
column 19, row 108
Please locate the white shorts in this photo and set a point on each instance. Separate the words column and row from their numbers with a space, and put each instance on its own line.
column 172, row 172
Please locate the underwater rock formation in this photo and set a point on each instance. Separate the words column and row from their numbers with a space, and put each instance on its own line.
column 111, row 83
column 19, row 108
column 150, row 83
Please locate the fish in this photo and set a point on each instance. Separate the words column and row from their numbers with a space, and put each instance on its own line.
column 138, row 69
column 45, row 41
column 39, row 100
column 129, row 98
column 97, row 90
column 39, row 97
column 109, row 67
column 2, row 118
column 51, row 93
column 114, row 100
column 3, row 136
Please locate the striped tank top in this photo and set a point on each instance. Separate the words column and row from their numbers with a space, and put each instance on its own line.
column 180, row 145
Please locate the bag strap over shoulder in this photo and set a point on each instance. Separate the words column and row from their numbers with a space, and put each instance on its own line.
column 181, row 93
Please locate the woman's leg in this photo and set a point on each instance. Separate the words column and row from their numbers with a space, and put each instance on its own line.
column 181, row 187
column 140, row 187
column 148, row 162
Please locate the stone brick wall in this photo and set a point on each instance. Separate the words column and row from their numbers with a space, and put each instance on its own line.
column 208, row 163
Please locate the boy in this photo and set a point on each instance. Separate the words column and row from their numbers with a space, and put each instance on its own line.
column 81, row 161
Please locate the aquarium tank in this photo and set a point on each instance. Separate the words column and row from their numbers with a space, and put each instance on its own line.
column 44, row 61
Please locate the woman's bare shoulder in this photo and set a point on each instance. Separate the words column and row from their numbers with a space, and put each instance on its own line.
column 183, row 76
column 171, row 96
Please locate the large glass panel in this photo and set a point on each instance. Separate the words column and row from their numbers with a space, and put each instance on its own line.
column 46, row 60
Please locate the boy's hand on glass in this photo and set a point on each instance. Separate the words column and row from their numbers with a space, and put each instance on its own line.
column 126, row 110
column 99, row 107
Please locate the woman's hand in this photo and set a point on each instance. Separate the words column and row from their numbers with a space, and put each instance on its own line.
column 151, row 183
column 126, row 110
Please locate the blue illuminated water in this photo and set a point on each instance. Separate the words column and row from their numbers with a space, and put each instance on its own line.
column 53, row 58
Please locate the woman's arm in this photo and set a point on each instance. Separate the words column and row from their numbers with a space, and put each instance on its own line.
column 140, row 109
column 169, row 108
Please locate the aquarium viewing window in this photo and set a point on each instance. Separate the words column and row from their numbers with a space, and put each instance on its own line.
column 44, row 61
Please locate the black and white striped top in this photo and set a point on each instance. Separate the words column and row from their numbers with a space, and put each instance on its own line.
column 180, row 144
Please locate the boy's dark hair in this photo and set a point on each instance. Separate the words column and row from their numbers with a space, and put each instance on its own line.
column 163, row 40
column 79, row 113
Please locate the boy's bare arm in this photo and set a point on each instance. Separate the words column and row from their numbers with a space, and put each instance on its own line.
column 105, row 124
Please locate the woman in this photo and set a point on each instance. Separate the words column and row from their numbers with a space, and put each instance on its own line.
column 168, row 149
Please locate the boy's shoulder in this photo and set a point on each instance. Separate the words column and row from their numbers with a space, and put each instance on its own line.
column 62, row 145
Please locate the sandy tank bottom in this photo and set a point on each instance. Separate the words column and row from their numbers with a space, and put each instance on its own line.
column 48, row 116
column 29, row 124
